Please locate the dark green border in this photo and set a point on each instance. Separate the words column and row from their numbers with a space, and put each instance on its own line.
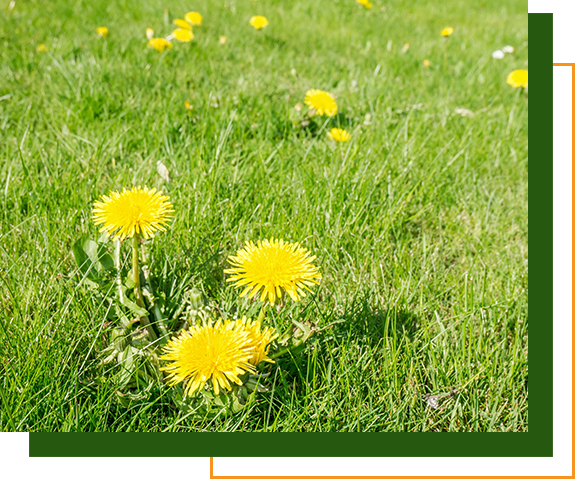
column 536, row 442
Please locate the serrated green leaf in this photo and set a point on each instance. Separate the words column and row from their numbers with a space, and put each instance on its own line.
column 127, row 367
column 83, row 260
column 90, row 248
column 119, row 338
column 105, row 258
column 128, row 303
column 129, row 282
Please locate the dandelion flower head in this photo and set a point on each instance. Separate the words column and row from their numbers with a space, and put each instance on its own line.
column 102, row 32
column 42, row 48
column 339, row 135
column 149, row 33
column 183, row 24
column 183, row 35
column 193, row 18
column 365, row 3
column 322, row 102
column 136, row 211
column 426, row 63
column 159, row 44
column 518, row 78
column 261, row 339
column 447, row 32
column 498, row 54
column 219, row 353
column 259, row 22
column 270, row 266
column 223, row 40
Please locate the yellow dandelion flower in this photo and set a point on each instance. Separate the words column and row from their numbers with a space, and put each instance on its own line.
column 447, row 32
column 159, row 44
column 183, row 24
column 261, row 339
column 188, row 105
column 102, row 32
column 273, row 265
column 339, row 135
column 365, row 3
column 193, row 18
column 149, row 33
column 219, row 353
column 183, row 35
column 42, row 48
column 223, row 40
column 322, row 102
column 426, row 63
column 259, row 22
column 136, row 211
column 518, row 78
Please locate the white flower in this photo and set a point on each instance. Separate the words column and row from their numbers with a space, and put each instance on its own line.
column 498, row 54
column 508, row 49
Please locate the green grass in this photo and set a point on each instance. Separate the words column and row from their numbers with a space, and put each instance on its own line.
column 419, row 223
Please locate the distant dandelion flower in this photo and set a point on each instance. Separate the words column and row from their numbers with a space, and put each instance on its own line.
column 426, row 63
column 518, row 78
column 447, row 32
column 188, row 105
column 405, row 48
column 102, row 32
column 218, row 353
column 183, row 24
column 183, row 35
column 193, row 18
column 42, row 48
column 222, row 40
column 508, row 49
column 339, row 135
column 498, row 54
column 322, row 102
column 136, row 211
column 259, row 22
column 365, row 3
column 159, row 44
column 149, row 33
column 272, row 265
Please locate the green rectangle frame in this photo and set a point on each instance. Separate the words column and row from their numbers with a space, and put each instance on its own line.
column 536, row 442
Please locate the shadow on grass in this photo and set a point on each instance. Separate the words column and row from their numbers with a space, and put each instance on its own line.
column 365, row 320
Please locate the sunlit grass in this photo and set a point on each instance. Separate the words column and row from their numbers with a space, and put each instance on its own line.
column 419, row 222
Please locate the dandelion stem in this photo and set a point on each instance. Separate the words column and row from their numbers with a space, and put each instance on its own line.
column 445, row 56
column 138, row 286
column 116, row 262
column 136, row 267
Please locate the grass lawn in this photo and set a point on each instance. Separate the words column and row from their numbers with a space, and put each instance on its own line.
column 419, row 222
